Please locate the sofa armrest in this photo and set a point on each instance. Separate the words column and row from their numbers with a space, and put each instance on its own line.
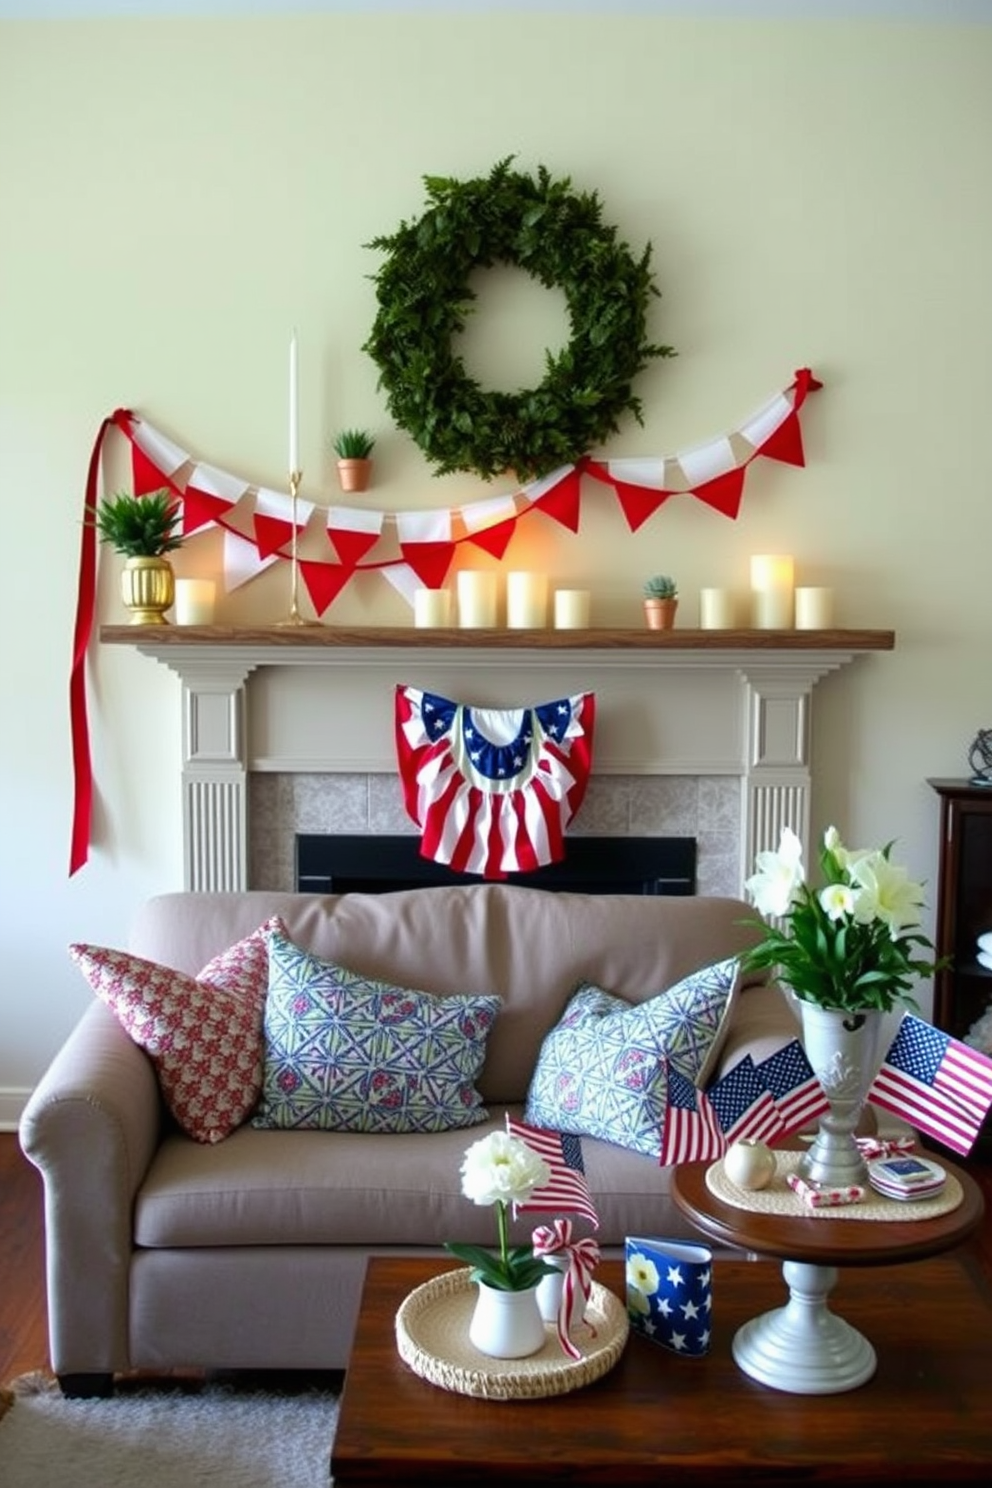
column 91, row 1126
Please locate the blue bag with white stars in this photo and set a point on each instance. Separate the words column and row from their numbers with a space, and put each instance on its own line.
column 670, row 1293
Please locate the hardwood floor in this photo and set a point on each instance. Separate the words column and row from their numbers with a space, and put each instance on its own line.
column 23, row 1317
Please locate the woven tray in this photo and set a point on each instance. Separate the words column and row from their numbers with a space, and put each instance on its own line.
column 778, row 1197
column 432, row 1337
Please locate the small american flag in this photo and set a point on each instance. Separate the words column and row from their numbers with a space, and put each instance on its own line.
column 567, row 1188
column 799, row 1096
column 744, row 1105
column 691, row 1132
column 936, row 1082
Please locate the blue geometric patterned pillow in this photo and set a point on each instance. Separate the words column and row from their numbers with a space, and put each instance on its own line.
column 344, row 1052
column 601, row 1070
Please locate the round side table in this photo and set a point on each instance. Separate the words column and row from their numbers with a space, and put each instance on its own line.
column 804, row 1347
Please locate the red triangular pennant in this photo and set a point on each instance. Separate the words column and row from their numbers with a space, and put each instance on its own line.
column 324, row 582
column 351, row 546
column 146, row 475
column 430, row 561
column 272, row 533
column 495, row 539
column 562, row 501
column 786, row 444
column 724, row 492
column 200, row 509
column 638, row 502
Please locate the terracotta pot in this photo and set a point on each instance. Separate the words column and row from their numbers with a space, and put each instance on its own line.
column 660, row 613
column 354, row 475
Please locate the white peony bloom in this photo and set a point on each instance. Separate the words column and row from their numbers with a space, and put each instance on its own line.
column 501, row 1169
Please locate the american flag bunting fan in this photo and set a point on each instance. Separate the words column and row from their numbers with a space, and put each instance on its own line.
column 493, row 789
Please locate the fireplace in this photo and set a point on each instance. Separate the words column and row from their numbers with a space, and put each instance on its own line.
column 330, row 863
column 702, row 734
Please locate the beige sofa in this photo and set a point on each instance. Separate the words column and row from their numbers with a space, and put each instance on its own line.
column 163, row 1252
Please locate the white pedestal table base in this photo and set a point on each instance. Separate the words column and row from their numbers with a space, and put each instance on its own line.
column 803, row 1347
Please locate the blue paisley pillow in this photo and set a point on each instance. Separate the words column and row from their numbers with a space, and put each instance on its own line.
column 602, row 1069
column 345, row 1052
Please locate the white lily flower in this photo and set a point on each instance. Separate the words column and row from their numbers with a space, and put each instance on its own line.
column 887, row 894
column 836, row 901
column 779, row 875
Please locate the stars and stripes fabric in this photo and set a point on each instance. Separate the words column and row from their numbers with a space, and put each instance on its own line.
column 691, row 1131
column 567, row 1187
column 799, row 1096
column 744, row 1105
column 493, row 789
column 937, row 1083
column 700, row 1125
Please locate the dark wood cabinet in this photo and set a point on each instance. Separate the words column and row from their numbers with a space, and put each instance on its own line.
column 963, row 992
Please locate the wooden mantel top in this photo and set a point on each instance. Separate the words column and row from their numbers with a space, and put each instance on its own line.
column 606, row 639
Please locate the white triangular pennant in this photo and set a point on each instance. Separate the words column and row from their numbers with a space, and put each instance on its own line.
column 242, row 561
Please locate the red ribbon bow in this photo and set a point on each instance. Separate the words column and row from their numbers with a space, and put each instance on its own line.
column 583, row 1258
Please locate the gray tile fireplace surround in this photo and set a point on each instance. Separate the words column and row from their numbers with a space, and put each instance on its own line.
column 708, row 808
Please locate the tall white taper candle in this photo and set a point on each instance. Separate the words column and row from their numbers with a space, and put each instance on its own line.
column 294, row 405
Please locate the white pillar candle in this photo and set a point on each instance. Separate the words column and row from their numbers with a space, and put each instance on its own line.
column 814, row 609
column 772, row 578
column 294, row 406
column 571, row 609
column 717, row 609
column 195, row 601
column 526, row 601
column 476, row 598
column 432, row 608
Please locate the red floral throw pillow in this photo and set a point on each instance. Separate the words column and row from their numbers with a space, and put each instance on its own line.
column 203, row 1034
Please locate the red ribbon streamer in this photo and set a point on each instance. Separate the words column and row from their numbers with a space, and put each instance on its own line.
column 82, row 764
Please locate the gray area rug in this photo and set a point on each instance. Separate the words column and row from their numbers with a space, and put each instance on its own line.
column 167, row 1435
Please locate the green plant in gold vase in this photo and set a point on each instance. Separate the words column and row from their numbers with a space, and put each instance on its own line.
column 143, row 530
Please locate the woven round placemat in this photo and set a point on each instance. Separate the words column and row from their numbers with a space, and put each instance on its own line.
column 778, row 1197
column 432, row 1337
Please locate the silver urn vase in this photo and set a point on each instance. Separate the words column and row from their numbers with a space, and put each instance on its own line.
column 843, row 1049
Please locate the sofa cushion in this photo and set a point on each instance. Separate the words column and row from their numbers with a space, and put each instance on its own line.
column 349, row 1052
column 327, row 1189
column 602, row 1070
column 203, row 1034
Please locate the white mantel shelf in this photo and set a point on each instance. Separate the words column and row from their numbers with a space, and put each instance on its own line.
column 678, row 702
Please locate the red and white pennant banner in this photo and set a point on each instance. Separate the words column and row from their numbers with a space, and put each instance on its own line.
column 411, row 549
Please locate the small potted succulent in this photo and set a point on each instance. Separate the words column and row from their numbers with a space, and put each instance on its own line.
column 353, row 448
column 661, row 599
column 143, row 530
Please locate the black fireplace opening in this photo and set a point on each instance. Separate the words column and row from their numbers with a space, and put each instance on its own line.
column 331, row 863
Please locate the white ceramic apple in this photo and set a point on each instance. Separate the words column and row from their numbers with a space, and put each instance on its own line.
column 749, row 1163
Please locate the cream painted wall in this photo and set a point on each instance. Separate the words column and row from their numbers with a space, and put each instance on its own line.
column 176, row 195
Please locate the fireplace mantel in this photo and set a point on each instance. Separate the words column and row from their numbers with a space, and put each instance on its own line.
column 698, row 702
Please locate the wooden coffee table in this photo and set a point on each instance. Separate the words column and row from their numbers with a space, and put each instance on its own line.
column 802, row 1346
column 924, row 1415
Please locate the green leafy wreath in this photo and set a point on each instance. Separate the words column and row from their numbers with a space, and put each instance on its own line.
column 424, row 298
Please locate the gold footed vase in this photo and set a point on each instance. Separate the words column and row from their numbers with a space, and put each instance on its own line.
column 148, row 589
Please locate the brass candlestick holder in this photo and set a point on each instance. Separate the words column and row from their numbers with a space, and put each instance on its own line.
column 294, row 617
